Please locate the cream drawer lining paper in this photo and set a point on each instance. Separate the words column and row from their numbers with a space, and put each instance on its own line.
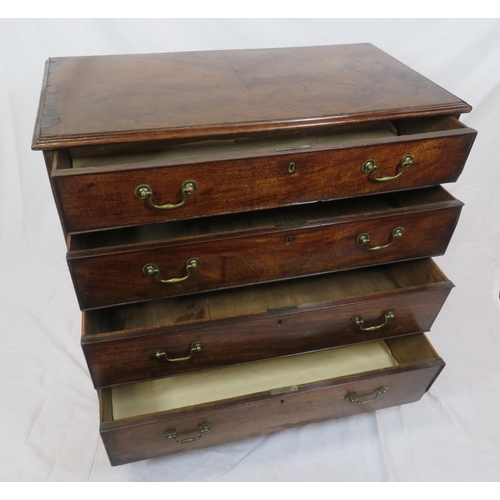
column 224, row 383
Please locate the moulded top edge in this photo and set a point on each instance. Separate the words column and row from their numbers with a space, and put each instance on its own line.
column 233, row 130
column 129, row 98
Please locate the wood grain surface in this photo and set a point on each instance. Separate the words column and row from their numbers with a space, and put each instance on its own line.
column 315, row 313
column 113, row 275
column 142, row 437
column 98, row 198
column 106, row 99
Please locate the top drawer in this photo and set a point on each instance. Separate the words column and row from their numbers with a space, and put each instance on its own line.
column 109, row 186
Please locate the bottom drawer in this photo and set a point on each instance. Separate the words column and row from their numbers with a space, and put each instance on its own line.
column 159, row 417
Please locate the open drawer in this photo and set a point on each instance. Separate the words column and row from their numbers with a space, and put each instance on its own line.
column 178, row 335
column 179, row 258
column 150, row 419
column 109, row 186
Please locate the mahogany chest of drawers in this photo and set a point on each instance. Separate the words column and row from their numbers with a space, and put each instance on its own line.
column 250, row 235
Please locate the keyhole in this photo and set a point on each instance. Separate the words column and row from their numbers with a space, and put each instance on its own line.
column 289, row 239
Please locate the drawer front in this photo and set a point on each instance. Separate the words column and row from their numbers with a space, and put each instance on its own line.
column 228, row 262
column 117, row 361
column 147, row 437
column 90, row 200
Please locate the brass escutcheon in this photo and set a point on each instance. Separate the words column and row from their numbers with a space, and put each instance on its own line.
column 291, row 167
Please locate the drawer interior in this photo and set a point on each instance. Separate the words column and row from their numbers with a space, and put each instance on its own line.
column 167, row 152
column 314, row 291
column 301, row 215
column 276, row 376
column 205, row 149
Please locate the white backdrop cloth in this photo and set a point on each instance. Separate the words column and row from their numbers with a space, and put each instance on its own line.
column 48, row 407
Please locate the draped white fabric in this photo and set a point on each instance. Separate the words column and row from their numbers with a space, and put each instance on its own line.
column 48, row 408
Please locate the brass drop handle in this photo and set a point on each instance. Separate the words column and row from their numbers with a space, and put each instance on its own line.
column 354, row 398
column 359, row 321
column 153, row 270
column 363, row 240
column 144, row 192
column 160, row 353
column 202, row 429
column 370, row 167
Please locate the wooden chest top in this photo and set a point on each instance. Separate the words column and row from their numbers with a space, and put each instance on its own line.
column 130, row 98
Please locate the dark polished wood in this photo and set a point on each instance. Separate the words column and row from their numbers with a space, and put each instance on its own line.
column 274, row 144
column 326, row 242
column 142, row 437
column 127, row 98
column 313, row 313
column 99, row 197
